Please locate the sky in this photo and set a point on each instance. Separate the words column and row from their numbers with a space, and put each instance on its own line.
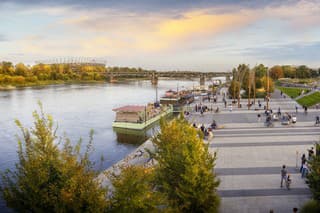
column 197, row 35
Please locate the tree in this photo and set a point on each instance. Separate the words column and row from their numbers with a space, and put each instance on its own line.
column 49, row 179
column 314, row 175
column 7, row 68
column 185, row 168
column 289, row 71
column 260, row 70
column 234, row 89
column 22, row 70
column 276, row 72
column 134, row 190
column 303, row 72
column 265, row 84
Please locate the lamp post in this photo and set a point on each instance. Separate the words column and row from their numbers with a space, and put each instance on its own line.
column 268, row 90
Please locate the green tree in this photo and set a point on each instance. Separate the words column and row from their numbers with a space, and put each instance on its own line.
column 314, row 175
column 135, row 190
column 289, row 71
column 185, row 168
column 303, row 72
column 49, row 179
column 260, row 70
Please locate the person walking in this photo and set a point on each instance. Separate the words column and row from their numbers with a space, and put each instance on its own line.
column 303, row 161
column 259, row 117
column 283, row 175
column 304, row 170
column 296, row 109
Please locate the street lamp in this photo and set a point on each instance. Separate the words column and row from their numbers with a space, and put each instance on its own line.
column 268, row 95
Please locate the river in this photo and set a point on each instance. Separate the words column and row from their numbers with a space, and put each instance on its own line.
column 76, row 110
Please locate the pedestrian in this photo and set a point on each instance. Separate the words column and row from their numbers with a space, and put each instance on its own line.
column 295, row 210
column 303, row 161
column 310, row 153
column 296, row 109
column 259, row 117
column 305, row 170
column 225, row 104
column 283, row 175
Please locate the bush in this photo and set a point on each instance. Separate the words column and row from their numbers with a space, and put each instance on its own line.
column 49, row 179
column 185, row 168
column 311, row 206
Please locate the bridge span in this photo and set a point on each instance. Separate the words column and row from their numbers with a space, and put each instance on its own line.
column 155, row 75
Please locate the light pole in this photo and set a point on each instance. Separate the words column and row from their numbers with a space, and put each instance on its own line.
column 268, row 90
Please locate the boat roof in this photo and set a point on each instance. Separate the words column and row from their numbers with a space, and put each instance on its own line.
column 130, row 108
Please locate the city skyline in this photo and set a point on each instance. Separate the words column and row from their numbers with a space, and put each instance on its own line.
column 163, row 35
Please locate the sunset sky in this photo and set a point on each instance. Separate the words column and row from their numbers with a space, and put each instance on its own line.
column 197, row 35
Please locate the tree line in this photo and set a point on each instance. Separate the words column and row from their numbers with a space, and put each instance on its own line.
column 21, row 74
column 53, row 176
column 259, row 79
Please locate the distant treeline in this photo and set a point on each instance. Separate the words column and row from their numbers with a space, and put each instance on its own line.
column 20, row 74
column 127, row 69
column 287, row 71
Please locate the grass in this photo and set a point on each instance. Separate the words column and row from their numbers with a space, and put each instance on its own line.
column 293, row 92
column 310, row 100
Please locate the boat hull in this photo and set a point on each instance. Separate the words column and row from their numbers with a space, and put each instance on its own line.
column 141, row 126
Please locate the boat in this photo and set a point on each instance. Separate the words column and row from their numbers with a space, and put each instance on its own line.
column 139, row 117
column 177, row 99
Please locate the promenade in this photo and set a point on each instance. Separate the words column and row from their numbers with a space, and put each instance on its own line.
column 250, row 156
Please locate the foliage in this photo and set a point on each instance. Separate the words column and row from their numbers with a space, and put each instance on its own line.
column 185, row 168
column 293, row 92
column 49, row 179
column 260, row 71
column 276, row 72
column 310, row 100
column 22, row 75
column 234, row 89
column 134, row 190
column 303, row 72
column 264, row 81
column 311, row 206
column 314, row 176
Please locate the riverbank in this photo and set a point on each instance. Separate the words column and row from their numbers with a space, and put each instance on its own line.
column 48, row 83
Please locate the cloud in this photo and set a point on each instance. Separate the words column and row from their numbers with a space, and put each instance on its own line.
column 156, row 32
column 150, row 5
column 3, row 38
column 307, row 52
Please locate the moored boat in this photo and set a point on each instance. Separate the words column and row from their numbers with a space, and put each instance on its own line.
column 177, row 99
column 139, row 117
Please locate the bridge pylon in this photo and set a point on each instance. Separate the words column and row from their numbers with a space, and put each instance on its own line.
column 154, row 78
column 202, row 80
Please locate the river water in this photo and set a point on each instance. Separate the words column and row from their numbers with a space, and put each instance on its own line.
column 77, row 109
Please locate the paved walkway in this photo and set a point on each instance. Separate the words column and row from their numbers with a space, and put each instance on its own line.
column 249, row 159
column 249, row 163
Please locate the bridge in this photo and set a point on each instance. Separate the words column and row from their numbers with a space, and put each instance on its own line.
column 154, row 75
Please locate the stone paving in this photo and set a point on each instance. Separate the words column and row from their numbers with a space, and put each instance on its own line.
column 250, row 156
